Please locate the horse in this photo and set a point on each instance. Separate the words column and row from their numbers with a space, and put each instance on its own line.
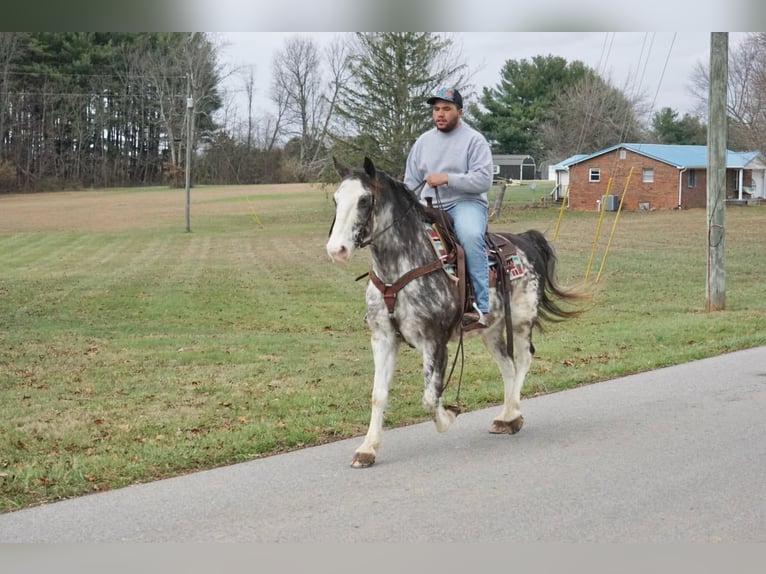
column 411, row 297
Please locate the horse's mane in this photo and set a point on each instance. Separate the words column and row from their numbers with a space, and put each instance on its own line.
column 401, row 190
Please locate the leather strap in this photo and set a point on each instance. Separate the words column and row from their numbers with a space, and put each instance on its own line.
column 389, row 290
column 505, row 288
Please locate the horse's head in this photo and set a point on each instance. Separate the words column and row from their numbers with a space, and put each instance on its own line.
column 354, row 203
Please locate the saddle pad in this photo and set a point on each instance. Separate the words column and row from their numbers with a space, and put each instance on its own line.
column 516, row 268
column 441, row 251
column 512, row 262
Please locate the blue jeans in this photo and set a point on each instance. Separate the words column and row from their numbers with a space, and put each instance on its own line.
column 470, row 221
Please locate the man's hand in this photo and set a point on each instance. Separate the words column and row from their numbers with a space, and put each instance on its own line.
column 437, row 179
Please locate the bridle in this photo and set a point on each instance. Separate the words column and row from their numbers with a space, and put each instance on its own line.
column 364, row 229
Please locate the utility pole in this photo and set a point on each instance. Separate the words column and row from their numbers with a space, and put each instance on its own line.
column 716, row 171
column 189, row 130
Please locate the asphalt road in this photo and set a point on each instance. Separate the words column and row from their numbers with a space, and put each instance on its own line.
column 676, row 454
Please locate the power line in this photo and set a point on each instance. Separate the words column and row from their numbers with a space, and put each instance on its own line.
column 114, row 75
column 664, row 68
column 93, row 94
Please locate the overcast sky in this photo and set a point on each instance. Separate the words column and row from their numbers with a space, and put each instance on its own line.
column 656, row 64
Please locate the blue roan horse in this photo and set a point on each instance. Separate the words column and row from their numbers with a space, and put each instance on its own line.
column 372, row 208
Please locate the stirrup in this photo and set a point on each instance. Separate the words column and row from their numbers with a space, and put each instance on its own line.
column 474, row 320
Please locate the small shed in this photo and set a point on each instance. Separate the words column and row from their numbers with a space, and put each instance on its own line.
column 515, row 167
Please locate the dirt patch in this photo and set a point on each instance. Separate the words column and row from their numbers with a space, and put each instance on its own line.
column 117, row 210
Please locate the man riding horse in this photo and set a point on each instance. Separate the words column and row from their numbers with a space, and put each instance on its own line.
column 455, row 162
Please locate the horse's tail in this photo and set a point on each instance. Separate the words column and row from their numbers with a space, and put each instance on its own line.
column 540, row 253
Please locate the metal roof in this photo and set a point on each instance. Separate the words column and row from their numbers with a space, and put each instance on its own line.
column 678, row 155
column 512, row 159
column 570, row 160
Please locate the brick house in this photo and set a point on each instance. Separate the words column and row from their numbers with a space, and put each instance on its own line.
column 654, row 176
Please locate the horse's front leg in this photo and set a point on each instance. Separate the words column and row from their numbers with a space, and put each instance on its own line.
column 385, row 345
column 434, row 368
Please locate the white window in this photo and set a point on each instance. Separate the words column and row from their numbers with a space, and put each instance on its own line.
column 594, row 174
column 691, row 178
column 647, row 175
column 623, row 154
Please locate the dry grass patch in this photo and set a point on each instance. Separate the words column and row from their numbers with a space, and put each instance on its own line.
column 124, row 209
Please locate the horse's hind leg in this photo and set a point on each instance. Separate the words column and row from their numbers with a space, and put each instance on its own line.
column 384, row 349
column 434, row 368
column 510, row 419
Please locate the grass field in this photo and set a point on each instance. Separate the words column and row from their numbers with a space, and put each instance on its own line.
column 131, row 350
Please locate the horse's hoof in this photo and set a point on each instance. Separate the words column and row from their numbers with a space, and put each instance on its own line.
column 454, row 408
column 510, row 427
column 363, row 460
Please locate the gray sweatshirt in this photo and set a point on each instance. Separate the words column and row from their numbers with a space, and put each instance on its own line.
column 464, row 154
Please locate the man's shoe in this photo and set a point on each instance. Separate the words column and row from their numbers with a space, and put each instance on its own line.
column 474, row 320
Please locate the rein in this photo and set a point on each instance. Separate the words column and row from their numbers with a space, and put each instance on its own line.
column 366, row 242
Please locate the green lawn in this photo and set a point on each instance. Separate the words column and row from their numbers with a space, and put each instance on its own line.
column 138, row 352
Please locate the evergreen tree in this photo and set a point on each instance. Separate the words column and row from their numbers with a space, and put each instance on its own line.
column 85, row 108
column 514, row 110
column 383, row 109
column 668, row 129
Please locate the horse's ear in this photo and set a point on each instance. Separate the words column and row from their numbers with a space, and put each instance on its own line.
column 342, row 169
column 369, row 167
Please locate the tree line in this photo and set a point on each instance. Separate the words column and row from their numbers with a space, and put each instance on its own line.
column 88, row 109
column 83, row 109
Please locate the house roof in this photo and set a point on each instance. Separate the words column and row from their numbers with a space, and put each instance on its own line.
column 570, row 160
column 689, row 156
column 512, row 159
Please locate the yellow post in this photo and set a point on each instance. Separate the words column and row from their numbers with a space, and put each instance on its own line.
column 614, row 225
column 602, row 210
column 253, row 214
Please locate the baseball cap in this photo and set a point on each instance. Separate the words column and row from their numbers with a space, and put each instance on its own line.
column 447, row 94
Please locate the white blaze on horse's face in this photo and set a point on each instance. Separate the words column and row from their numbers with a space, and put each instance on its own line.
column 352, row 204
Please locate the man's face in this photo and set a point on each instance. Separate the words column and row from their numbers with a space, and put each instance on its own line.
column 445, row 115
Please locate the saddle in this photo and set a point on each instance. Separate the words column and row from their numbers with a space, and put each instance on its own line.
column 501, row 254
column 504, row 265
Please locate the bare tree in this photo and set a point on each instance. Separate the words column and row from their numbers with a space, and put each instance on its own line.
column 179, row 66
column 204, row 71
column 298, row 77
column 337, row 55
column 746, row 97
column 165, row 73
column 275, row 123
column 746, row 101
column 250, row 95
column 589, row 116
